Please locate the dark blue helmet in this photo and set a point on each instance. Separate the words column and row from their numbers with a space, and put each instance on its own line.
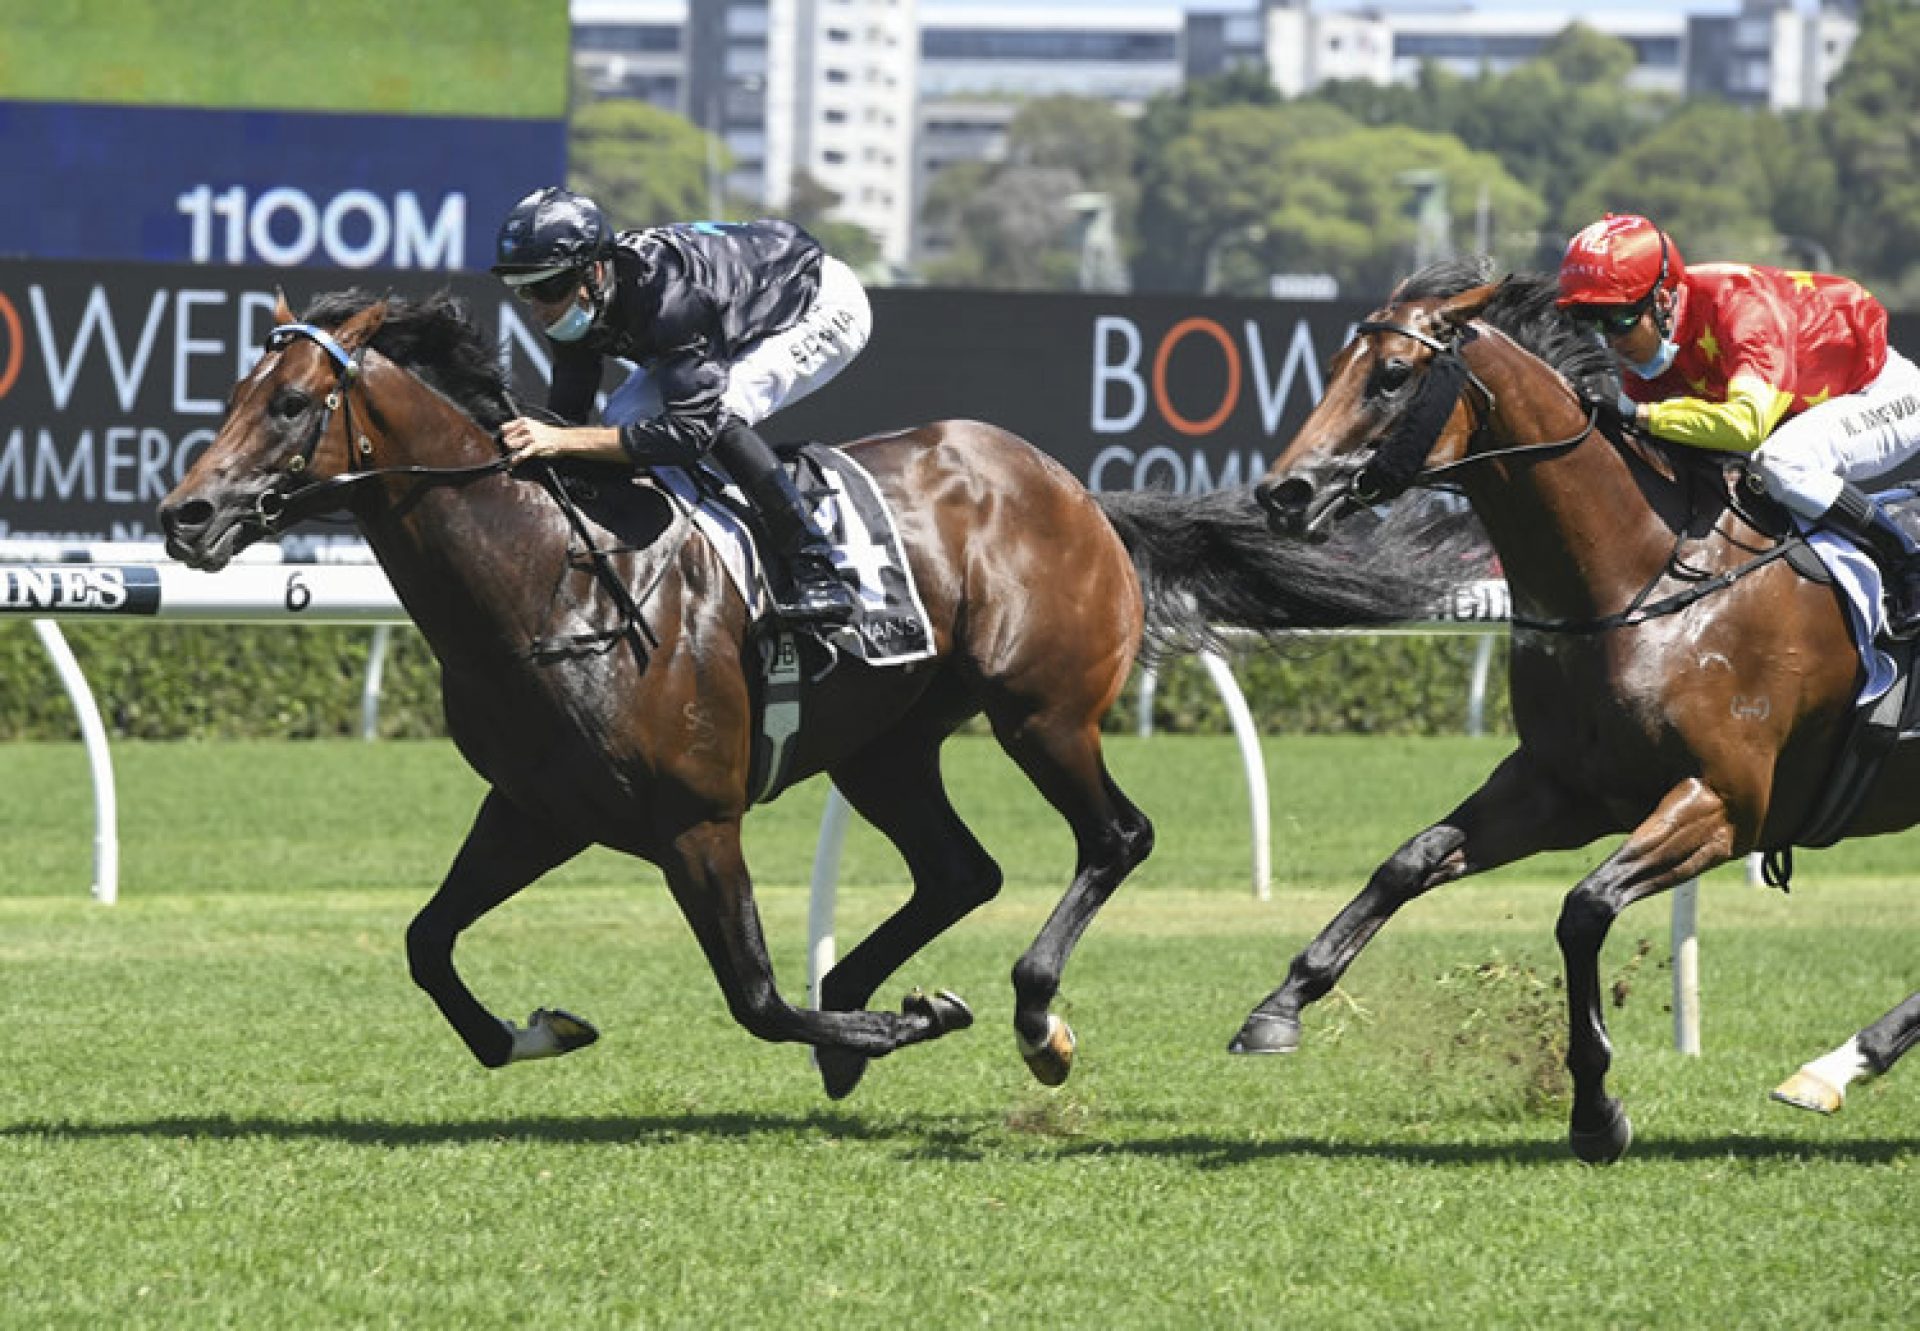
column 551, row 231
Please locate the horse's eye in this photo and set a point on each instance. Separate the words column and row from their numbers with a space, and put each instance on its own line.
column 291, row 404
column 1392, row 376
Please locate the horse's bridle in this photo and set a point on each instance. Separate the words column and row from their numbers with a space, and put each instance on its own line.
column 1430, row 420
column 279, row 507
column 1411, row 438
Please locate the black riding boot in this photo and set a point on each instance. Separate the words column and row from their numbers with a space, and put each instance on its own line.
column 1857, row 515
column 812, row 592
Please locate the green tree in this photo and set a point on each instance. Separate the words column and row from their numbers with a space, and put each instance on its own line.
column 1345, row 206
column 1218, row 181
column 1011, row 223
column 1163, row 250
column 644, row 166
column 1722, row 213
column 1873, row 125
column 811, row 204
column 1554, row 121
column 1303, row 187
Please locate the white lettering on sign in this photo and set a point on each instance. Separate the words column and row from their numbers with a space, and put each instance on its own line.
column 286, row 226
column 124, row 464
column 1129, row 378
column 77, row 588
column 1117, row 467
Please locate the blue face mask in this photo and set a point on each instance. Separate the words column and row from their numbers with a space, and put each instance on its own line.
column 1656, row 365
column 571, row 326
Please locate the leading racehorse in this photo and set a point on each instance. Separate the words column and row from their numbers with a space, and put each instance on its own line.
column 639, row 738
column 1671, row 677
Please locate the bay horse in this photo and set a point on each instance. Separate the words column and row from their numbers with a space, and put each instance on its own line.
column 1670, row 678
column 389, row 409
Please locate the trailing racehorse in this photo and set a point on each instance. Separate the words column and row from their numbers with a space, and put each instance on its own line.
column 640, row 737
column 1673, row 677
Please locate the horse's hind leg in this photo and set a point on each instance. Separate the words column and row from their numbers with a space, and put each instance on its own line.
column 1686, row 835
column 896, row 785
column 1064, row 761
column 708, row 878
column 505, row 850
column 1822, row 1084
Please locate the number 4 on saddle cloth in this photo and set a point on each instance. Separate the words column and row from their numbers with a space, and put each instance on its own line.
column 890, row 627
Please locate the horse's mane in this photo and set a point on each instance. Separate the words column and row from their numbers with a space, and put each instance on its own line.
column 432, row 337
column 1523, row 309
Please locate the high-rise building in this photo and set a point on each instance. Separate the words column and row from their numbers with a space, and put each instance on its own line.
column 632, row 48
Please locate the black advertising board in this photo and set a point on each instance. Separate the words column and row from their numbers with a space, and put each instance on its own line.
column 114, row 376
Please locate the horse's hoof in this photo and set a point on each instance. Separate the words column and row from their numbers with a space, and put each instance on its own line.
column 1052, row 1059
column 945, row 1009
column 1607, row 1143
column 1804, row 1090
column 549, row 1033
column 1264, row 1034
column 840, row 1070
column 569, row 1032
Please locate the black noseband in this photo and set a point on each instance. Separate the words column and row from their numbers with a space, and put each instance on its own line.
column 1401, row 455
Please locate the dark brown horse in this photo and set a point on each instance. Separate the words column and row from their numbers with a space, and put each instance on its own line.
column 1670, row 679
column 642, row 742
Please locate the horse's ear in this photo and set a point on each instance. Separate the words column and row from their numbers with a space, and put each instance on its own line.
column 1458, row 311
column 282, row 312
column 359, row 330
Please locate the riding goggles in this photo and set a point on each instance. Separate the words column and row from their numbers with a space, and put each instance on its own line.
column 546, row 290
column 1611, row 320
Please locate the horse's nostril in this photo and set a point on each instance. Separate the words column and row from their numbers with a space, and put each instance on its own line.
column 189, row 516
column 1288, row 496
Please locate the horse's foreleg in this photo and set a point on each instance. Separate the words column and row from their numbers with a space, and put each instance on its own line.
column 505, row 850
column 708, row 878
column 1688, row 834
column 1518, row 812
column 1822, row 1084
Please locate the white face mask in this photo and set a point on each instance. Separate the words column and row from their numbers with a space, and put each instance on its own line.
column 1656, row 365
column 571, row 326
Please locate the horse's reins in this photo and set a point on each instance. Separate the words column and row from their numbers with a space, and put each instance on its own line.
column 276, row 509
column 1638, row 610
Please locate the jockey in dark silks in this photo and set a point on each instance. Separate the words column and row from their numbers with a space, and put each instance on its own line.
column 726, row 322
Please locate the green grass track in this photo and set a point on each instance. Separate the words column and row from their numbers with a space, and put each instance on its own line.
column 224, row 1104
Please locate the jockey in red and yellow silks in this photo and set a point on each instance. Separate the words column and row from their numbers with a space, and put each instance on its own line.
column 1792, row 368
column 1757, row 346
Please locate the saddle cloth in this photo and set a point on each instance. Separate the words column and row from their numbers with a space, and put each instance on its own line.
column 1858, row 579
column 891, row 627
column 1888, row 708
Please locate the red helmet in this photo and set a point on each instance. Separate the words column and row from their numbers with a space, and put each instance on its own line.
column 1619, row 260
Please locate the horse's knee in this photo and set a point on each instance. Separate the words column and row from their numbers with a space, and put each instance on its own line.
column 429, row 950
column 1585, row 917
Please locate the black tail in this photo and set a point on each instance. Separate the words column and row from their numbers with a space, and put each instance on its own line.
column 1209, row 562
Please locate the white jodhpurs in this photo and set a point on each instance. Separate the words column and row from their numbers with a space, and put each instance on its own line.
column 1871, row 438
column 776, row 370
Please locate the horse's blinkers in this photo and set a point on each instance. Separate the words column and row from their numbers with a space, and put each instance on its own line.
column 1401, row 454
